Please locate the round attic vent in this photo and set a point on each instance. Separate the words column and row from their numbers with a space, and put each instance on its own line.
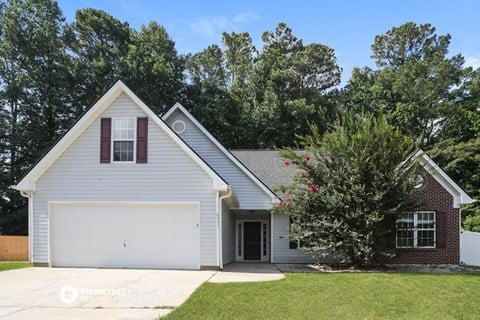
column 419, row 181
column 179, row 126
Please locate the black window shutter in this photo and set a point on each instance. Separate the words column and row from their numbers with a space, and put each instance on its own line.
column 142, row 140
column 105, row 139
column 441, row 229
column 388, row 228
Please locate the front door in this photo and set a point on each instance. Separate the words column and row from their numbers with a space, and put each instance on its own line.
column 252, row 240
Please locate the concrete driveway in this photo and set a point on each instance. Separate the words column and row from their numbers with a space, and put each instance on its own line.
column 77, row 293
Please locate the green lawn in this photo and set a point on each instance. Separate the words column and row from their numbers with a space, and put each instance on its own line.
column 14, row 265
column 339, row 296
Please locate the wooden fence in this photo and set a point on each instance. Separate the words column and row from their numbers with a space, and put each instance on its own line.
column 14, row 248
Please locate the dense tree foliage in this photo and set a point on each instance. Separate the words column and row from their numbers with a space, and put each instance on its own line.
column 429, row 95
column 462, row 162
column 273, row 93
column 36, row 91
column 99, row 45
column 154, row 70
column 353, row 180
column 51, row 71
column 413, row 82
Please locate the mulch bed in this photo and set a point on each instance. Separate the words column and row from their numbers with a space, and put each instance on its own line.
column 406, row 268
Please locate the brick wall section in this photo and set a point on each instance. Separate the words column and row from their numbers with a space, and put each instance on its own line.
column 434, row 197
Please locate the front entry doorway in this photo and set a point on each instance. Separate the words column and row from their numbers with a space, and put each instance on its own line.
column 252, row 240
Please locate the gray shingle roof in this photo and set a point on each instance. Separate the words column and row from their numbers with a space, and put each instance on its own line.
column 267, row 166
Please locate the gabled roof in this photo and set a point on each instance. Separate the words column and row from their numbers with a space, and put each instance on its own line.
column 27, row 184
column 459, row 196
column 227, row 153
column 268, row 166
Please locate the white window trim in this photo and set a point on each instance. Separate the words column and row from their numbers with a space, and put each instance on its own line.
column 134, row 160
column 415, row 232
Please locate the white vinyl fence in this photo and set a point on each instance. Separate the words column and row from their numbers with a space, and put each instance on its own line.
column 470, row 248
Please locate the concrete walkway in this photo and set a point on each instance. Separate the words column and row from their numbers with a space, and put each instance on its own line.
column 247, row 272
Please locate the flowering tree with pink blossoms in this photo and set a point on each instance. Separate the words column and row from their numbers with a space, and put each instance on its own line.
column 351, row 183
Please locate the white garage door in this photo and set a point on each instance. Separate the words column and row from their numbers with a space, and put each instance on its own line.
column 124, row 235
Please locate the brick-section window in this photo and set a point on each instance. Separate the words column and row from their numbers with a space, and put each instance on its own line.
column 433, row 197
column 416, row 230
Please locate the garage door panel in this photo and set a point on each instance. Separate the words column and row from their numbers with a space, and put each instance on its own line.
column 125, row 236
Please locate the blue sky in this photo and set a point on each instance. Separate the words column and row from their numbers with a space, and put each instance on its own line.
column 349, row 27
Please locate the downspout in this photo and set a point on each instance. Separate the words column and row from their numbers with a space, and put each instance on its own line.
column 460, row 235
column 29, row 196
column 220, row 225
column 274, row 202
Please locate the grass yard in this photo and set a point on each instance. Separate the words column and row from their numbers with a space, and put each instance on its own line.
column 14, row 265
column 339, row 296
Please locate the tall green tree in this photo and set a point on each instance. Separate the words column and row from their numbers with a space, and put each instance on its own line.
column 464, row 124
column 106, row 49
column 271, row 94
column 154, row 70
column 457, row 150
column 240, row 59
column 429, row 94
column 99, row 44
column 413, row 82
column 240, row 54
column 208, row 93
column 34, row 95
column 461, row 161
column 291, row 79
column 353, row 181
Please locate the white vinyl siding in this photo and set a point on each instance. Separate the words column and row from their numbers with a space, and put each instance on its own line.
column 169, row 175
column 281, row 252
column 228, row 234
column 249, row 194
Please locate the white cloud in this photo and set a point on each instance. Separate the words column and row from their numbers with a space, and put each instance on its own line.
column 245, row 17
column 212, row 27
column 473, row 62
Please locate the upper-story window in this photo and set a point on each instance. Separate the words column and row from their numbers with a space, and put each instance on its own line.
column 123, row 139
